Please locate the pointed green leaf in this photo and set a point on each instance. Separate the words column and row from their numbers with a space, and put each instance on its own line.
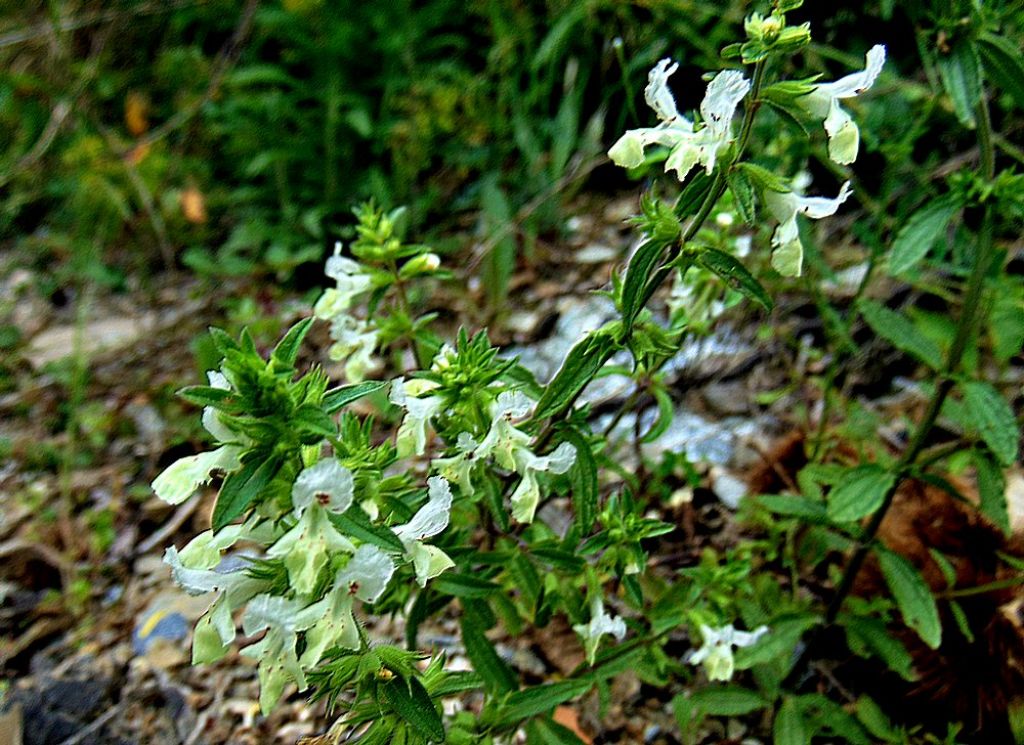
column 463, row 585
column 1003, row 63
column 583, row 477
column 992, row 491
column 204, row 395
column 287, row 350
column 242, row 487
column 961, row 77
column 579, row 367
column 993, row 419
column 901, row 333
column 540, row 699
column 912, row 595
column 869, row 636
column 412, row 703
column 743, row 195
column 639, row 271
column 727, row 701
column 498, row 677
column 311, row 418
column 338, row 398
column 734, row 274
column 919, row 234
column 789, row 727
column 354, row 522
column 860, row 493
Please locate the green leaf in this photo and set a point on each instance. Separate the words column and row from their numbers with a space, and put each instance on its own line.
column 782, row 638
column 559, row 559
column 204, row 395
column 920, row 233
column 639, row 271
column 579, row 367
column 734, row 274
column 763, row 179
column 993, row 419
column 287, row 350
column 869, row 636
column 311, row 418
column 540, row 699
column 583, row 477
column 743, row 195
column 789, row 727
column 356, row 523
column 961, row 621
column 875, row 721
column 1003, row 64
column 727, row 701
column 992, row 491
column 412, row 703
column 961, row 77
column 901, row 333
column 693, row 195
column 498, row 677
column 794, row 505
column 241, row 488
column 223, row 341
column 912, row 595
column 463, row 585
column 525, row 579
column 666, row 413
column 860, row 493
column 543, row 731
column 337, row 398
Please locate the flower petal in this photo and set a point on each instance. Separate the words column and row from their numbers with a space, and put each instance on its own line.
column 181, row 479
column 327, row 483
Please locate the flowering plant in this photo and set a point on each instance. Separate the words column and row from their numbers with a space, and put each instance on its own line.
column 325, row 516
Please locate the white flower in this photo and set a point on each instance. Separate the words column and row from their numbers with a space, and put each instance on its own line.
column 788, row 252
column 327, row 483
column 419, row 410
column 354, row 341
column 601, row 623
column 689, row 146
column 193, row 570
column 365, row 577
column 351, row 281
column 716, row 653
column 526, row 497
column 823, row 102
column 282, row 619
column 181, row 479
column 429, row 520
column 458, row 468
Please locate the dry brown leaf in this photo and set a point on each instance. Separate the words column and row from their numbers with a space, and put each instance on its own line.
column 568, row 718
column 193, row 205
column 136, row 113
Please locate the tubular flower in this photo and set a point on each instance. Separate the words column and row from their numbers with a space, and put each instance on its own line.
column 823, row 103
column 688, row 146
column 419, row 410
column 788, row 251
column 305, row 549
column 429, row 520
column 181, row 479
column 716, row 653
column 354, row 341
column 601, row 623
column 350, row 281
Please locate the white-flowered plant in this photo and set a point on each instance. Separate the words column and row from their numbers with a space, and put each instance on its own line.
column 787, row 250
column 530, row 513
column 182, row 478
column 432, row 518
column 823, row 103
column 689, row 145
column 716, row 654
column 601, row 623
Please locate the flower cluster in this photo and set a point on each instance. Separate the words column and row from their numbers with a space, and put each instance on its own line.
column 689, row 145
column 355, row 339
column 504, row 443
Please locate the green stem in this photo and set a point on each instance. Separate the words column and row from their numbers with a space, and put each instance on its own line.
column 969, row 313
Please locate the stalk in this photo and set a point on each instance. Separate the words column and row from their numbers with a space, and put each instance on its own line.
column 969, row 315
